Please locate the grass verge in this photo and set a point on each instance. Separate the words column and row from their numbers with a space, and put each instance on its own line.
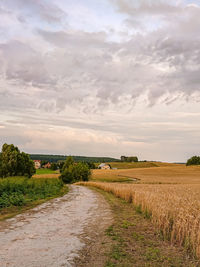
column 135, row 241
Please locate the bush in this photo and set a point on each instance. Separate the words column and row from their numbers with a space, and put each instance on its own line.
column 195, row 160
column 74, row 172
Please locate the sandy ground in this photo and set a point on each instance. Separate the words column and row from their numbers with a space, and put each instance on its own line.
column 66, row 231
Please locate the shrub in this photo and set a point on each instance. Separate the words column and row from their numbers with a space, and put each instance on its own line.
column 73, row 172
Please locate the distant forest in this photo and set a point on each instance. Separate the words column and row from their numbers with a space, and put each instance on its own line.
column 55, row 158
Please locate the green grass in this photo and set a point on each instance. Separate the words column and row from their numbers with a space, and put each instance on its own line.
column 19, row 191
column 45, row 171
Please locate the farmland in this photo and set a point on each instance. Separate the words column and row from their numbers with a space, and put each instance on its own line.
column 167, row 194
column 164, row 174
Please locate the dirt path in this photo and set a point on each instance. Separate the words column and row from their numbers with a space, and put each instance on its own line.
column 58, row 233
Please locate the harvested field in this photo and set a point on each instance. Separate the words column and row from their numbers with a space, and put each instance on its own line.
column 173, row 174
column 174, row 209
column 51, row 175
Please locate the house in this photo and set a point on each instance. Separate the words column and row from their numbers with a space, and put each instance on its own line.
column 47, row 166
column 104, row 166
column 37, row 164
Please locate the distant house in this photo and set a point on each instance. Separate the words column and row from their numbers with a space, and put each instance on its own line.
column 47, row 166
column 37, row 164
column 104, row 166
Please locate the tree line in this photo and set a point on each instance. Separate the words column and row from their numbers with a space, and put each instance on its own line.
column 60, row 158
column 129, row 159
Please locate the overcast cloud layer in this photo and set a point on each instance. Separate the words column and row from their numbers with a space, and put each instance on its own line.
column 108, row 78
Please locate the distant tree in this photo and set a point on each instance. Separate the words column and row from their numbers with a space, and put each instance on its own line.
column 91, row 165
column 60, row 165
column 54, row 166
column 74, row 172
column 129, row 159
column 15, row 163
column 195, row 160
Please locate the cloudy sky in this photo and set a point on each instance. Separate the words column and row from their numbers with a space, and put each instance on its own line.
column 101, row 78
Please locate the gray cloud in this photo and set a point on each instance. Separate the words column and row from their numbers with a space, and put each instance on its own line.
column 43, row 9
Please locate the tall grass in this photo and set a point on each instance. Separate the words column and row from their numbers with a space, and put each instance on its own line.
column 174, row 209
column 17, row 191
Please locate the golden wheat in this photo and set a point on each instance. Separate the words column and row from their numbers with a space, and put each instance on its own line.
column 173, row 174
column 174, row 209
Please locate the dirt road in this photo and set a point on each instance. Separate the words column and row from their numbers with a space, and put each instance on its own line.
column 56, row 233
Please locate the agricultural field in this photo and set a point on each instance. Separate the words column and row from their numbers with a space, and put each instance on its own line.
column 166, row 174
column 174, row 209
column 45, row 171
column 167, row 194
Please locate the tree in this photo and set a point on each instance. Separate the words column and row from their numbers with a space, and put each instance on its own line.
column 91, row 165
column 54, row 166
column 74, row 172
column 15, row 163
column 129, row 159
column 195, row 160
column 69, row 161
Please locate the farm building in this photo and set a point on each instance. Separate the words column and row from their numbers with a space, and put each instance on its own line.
column 37, row 164
column 104, row 166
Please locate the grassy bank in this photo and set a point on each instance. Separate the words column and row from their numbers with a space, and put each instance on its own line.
column 135, row 241
column 19, row 193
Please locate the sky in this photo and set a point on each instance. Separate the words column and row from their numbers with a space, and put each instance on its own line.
column 101, row 78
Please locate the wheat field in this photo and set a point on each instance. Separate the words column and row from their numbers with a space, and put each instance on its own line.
column 166, row 174
column 174, row 209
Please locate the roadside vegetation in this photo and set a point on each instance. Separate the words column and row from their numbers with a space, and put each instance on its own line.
column 173, row 209
column 18, row 190
column 134, row 240
column 19, row 193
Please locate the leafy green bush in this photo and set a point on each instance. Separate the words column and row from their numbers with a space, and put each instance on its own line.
column 17, row 191
column 195, row 160
column 74, row 172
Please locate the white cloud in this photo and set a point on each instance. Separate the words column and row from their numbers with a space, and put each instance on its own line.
column 85, row 81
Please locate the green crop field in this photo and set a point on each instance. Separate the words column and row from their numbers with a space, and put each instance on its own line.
column 44, row 171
